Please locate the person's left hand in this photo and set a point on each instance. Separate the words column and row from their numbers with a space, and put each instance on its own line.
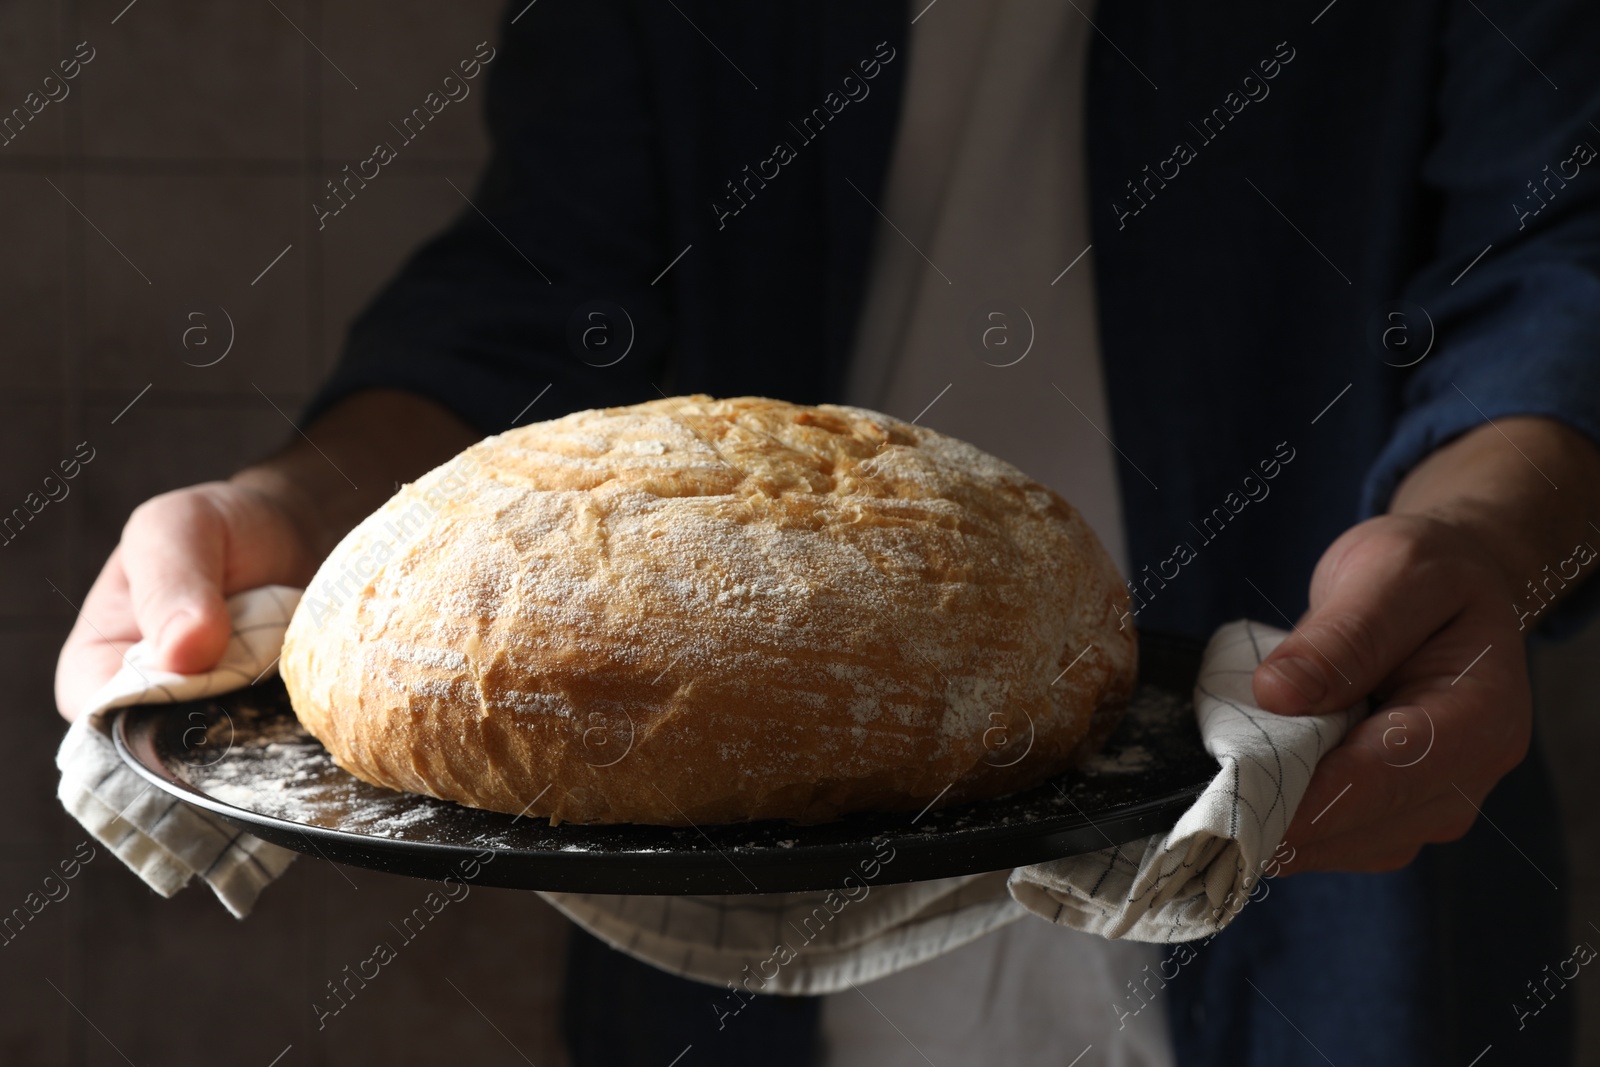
column 1414, row 611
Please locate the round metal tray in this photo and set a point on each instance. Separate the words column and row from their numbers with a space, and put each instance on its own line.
column 245, row 757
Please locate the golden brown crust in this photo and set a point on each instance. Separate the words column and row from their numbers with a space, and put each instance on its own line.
column 698, row 610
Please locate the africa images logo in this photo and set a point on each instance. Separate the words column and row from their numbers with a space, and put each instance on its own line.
column 383, row 541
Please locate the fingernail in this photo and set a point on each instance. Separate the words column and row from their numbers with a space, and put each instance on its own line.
column 1303, row 677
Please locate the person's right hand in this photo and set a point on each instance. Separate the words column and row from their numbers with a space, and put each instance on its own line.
column 181, row 553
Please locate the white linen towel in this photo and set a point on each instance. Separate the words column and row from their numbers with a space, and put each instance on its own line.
column 1190, row 882
column 1178, row 886
column 162, row 840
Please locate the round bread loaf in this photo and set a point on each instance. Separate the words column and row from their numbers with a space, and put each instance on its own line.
column 707, row 611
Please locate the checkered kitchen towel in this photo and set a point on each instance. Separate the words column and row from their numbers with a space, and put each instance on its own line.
column 1177, row 886
column 1190, row 882
column 164, row 841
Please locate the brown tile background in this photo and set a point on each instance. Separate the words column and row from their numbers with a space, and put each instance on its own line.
column 195, row 141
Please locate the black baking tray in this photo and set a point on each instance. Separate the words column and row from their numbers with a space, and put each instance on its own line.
column 244, row 756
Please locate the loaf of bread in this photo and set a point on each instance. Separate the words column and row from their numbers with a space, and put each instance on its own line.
column 699, row 611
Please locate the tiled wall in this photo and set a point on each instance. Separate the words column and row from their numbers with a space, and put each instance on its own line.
column 193, row 144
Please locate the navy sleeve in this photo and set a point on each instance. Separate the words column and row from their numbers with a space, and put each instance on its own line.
column 565, row 230
column 1516, row 169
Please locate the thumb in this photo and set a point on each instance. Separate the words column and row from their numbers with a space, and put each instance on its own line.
column 1374, row 599
column 173, row 550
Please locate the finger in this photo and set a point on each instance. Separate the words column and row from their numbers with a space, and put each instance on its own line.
column 1391, row 845
column 103, row 630
column 1383, row 768
column 1353, row 855
column 1451, row 742
column 174, row 551
column 1378, row 593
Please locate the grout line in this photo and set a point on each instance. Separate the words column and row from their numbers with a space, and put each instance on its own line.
column 217, row 166
column 68, row 162
column 316, row 356
column 24, row 399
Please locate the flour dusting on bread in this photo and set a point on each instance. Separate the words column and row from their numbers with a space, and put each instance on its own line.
column 697, row 610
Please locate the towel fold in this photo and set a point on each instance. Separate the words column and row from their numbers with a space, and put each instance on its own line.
column 163, row 840
column 1191, row 881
